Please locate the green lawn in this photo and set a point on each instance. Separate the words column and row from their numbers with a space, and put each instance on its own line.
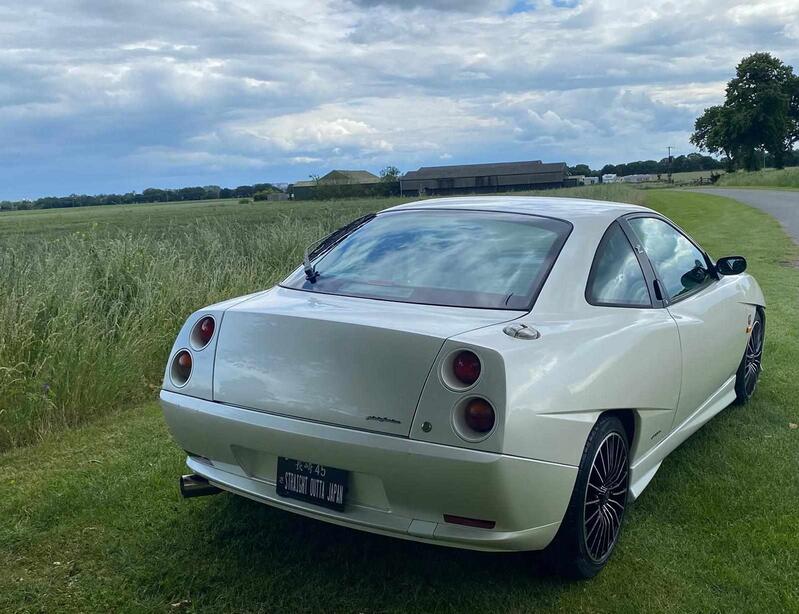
column 92, row 520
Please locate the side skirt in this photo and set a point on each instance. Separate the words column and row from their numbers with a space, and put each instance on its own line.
column 643, row 469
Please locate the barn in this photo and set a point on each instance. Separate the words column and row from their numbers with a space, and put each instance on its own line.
column 483, row 178
column 348, row 183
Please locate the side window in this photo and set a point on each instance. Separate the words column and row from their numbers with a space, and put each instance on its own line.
column 616, row 276
column 679, row 265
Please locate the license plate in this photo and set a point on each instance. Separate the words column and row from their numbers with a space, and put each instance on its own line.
column 312, row 483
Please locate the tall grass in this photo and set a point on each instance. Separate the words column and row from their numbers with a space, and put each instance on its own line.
column 86, row 321
column 87, row 317
column 784, row 178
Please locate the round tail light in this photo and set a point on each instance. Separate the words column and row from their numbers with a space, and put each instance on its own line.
column 203, row 332
column 479, row 415
column 181, row 368
column 466, row 367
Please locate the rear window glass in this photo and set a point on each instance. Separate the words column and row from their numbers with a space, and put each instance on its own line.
column 458, row 258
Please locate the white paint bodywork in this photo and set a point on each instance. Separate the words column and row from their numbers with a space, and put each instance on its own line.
column 350, row 382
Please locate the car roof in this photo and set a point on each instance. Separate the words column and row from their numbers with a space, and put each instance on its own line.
column 575, row 210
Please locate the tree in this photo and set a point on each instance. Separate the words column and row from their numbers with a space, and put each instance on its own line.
column 713, row 133
column 389, row 173
column 760, row 111
column 580, row 169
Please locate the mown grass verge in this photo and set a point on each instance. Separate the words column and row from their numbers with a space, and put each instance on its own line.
column 92, row 520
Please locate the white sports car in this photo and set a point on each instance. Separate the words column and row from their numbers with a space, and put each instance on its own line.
column 493, row 373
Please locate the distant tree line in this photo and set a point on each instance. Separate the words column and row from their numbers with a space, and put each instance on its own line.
column 150, row 195
column 760, row 114
column 679, row 164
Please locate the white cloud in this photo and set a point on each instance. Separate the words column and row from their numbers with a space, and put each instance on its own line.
column 250, row 90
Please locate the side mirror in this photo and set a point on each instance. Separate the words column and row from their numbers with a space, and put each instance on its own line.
column 731, row 265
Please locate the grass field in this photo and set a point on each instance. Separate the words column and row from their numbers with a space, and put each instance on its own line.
column 769, row 178
column 93, row 296
column 92, row 520
column 694, row 175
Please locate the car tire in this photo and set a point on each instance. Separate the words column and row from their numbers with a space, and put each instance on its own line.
column 593, row 520
column 751, row 364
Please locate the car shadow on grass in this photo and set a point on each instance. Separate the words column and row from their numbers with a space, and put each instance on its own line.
column 253, row 554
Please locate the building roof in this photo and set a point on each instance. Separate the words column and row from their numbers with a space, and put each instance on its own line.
column 341, row 176
column 482, row 170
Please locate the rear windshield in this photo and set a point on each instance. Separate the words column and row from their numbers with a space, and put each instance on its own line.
column 457, row 258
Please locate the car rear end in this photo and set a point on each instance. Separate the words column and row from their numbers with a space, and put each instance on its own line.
column 354, row 403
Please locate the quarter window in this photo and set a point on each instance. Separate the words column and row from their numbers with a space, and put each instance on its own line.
column 616, row 276
column 679, row 264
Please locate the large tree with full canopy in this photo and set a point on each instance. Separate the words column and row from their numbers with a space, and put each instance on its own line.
column 760, row 112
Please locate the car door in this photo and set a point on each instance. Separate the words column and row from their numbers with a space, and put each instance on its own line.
column 638, row 325
column 710, row 319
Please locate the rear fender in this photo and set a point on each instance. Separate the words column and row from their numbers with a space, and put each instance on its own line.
column 201, row 380
column 442, row 398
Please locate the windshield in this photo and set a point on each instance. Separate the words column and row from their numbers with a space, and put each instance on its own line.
column 459, row 258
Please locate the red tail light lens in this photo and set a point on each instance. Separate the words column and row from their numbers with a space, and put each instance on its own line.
column 184, row 361
column 181, row 368
column 479, row 415
column 466, row 367
column 206, row 329
column 203, row 332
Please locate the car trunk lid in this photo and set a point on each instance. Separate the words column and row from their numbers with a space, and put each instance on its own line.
column 352, row 362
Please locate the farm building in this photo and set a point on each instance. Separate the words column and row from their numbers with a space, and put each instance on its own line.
column 480, row 178
column 304, row 189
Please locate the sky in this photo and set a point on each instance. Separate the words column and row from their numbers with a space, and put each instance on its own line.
column 112, row 96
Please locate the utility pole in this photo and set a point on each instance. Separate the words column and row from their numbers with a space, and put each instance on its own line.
column 668, row 160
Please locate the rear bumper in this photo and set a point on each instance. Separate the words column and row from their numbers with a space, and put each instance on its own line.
column 398, row 487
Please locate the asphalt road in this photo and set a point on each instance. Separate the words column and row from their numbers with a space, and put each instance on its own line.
column 782, row 204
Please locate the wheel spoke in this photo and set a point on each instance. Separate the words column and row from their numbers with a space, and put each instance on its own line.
column 615, row 520
column 604, row 473
column 613, row 501
column 599, row 535
column 596, row 530
column 619, row 479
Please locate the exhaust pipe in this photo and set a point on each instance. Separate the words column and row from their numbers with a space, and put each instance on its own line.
column 194, row 485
